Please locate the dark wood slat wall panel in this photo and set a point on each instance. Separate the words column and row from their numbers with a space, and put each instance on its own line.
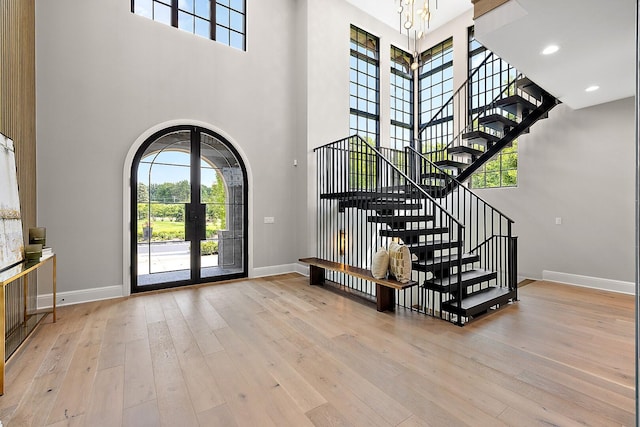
column 18, row 95
column 480, row 7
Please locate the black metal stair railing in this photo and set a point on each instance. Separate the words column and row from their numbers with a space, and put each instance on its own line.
column 471, row 123
column 435, row 135
column 509, row 134
column 365, row 201
column 460, row 117
column 488, row 231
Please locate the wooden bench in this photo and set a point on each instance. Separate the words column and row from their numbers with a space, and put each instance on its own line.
column 385, row 288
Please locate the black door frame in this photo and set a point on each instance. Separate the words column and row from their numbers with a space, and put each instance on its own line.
column 193, row 227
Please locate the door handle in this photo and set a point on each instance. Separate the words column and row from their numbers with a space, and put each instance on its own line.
column 195, row 225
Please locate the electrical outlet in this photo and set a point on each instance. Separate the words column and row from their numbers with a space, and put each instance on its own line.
column 269, row 220
column 558, row 220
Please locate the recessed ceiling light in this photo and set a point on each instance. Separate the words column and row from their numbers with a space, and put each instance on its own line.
column 592, row 88
column 551, row 49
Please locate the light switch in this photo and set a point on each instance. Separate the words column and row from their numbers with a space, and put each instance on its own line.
column 269, row 220
column 558, row 220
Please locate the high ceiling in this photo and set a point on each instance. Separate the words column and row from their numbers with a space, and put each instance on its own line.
column 386, row 10
column 596, row 40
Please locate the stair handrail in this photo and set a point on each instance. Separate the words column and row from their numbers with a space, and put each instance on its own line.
column 352, row 173
column 450, row 101
column 456, row 183
column 470, row 124
column 380, row 156
column 484, row 224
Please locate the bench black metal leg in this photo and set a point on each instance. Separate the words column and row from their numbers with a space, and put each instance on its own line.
column 316, row 275
column 385, row 298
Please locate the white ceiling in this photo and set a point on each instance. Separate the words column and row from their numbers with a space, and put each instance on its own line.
column 596, row 39
column 387, row 10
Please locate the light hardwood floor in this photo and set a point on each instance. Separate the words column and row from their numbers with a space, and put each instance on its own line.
column 277, row 352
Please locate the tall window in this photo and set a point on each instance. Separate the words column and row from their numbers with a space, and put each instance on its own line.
column 221, row 20
column 486, row 86
column 435, row 89
column 401, row 99
column 364, row 93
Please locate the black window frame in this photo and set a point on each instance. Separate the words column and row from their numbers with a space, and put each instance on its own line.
column 364, row 56
column 436, row 62
column 499, row 69
column 212, row 21
column 400, row 108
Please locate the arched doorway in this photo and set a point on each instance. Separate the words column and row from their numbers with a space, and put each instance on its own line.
column 188, row 210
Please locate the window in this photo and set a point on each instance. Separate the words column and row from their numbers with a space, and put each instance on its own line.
column 486, row 85
column 435, row 85
column 364, row 106
column 364, row 86
column 222, row 20
column 401, row 99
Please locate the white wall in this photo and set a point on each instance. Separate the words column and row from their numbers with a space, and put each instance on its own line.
column 105, row 76
column 577, row 165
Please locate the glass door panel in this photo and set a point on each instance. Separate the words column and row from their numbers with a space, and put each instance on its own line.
column 189, row 216
column 222, row 191
column 164, row 189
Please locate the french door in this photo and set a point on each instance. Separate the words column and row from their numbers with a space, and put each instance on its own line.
column 189, row 212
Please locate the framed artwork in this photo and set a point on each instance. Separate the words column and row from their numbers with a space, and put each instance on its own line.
column 11, row 240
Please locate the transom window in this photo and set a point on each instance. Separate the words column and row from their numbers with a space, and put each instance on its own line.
column 223, row 20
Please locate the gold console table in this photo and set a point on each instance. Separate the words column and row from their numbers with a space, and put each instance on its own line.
column 12, row 341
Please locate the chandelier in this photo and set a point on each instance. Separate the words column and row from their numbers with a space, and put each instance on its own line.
column 415, row 15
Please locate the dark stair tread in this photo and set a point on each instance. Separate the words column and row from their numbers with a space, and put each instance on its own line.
column 530, row 119
column 528, row 86
column 399, row 219
column 412, row 232
column 437, row 192
column 463, row 149
column 433, row 189
column 479, row 302
column 393, row 206
column 479, row 137
column 450, row 283
column 438, row 263
column 366, row 195
column 451, row 164
column 404, row 190
column 435, row 175
column 433, row 245
column 430, row 187
column 496, row 121
column 511, row 104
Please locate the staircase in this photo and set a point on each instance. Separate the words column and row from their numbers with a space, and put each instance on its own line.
column 518, row 105
column 464, row 251
column 464, row 259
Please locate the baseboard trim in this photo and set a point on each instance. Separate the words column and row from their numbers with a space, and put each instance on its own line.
column 96, row 294
column 590, row 282
column 302, row 269
column 273, row 270
column 77, row 297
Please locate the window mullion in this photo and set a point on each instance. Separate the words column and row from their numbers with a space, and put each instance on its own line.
column 212, row 14
column 228, row 27
column 174, row 13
